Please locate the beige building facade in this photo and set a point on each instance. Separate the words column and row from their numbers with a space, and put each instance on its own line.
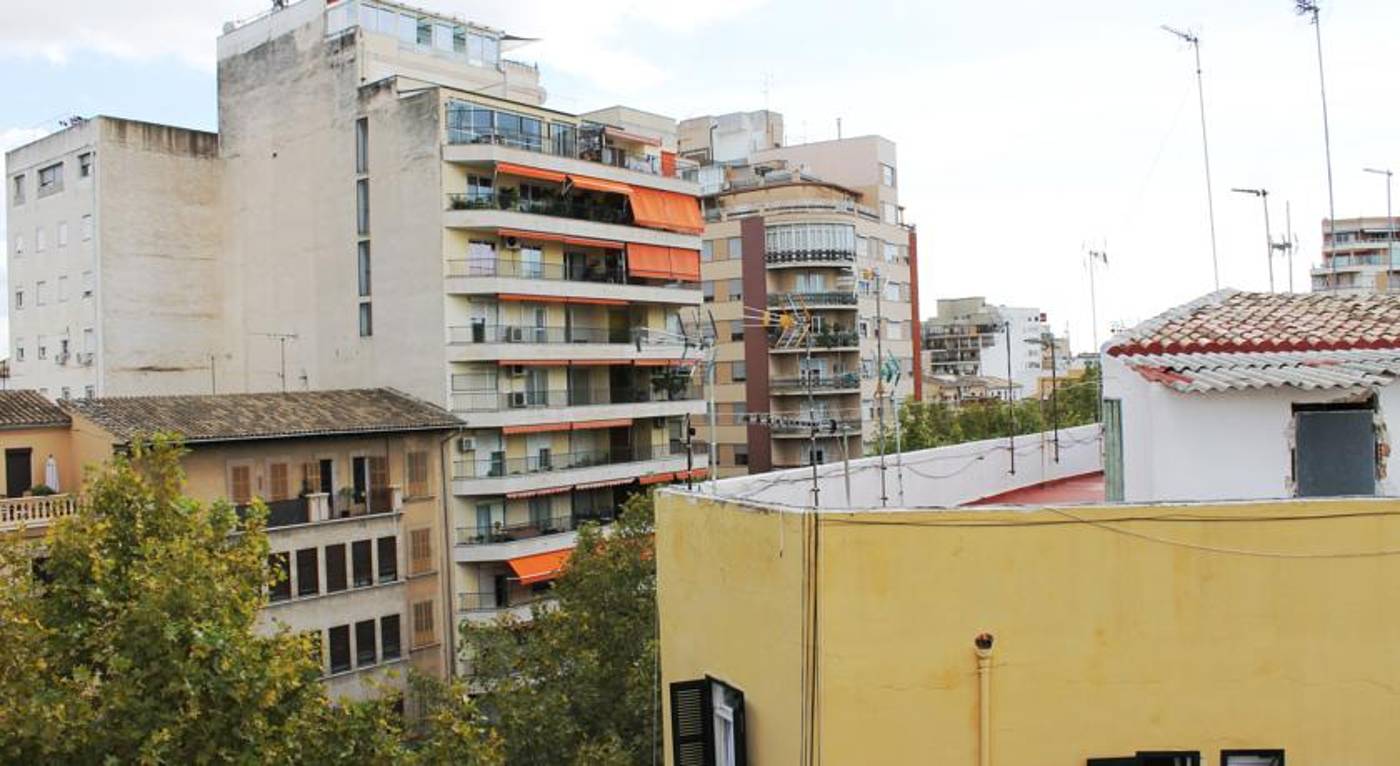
column 1358, row 257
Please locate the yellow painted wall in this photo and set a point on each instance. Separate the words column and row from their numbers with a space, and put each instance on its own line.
column 1106, row 643
column 43, row 442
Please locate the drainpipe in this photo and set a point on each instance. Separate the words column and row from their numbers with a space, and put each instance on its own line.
column 449, row 564
column 983, row 645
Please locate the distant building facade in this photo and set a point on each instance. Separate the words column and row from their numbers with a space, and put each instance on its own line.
column 970, row 337
column 1358, row 257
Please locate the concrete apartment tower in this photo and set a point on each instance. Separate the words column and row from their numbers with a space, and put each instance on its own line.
column 1359, row 257
column 967, row 345
column 815, row 226
column 391, row 204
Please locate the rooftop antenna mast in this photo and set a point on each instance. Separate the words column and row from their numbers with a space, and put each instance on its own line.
column 1195, row 42
column 281, row 338
column 1310, row 8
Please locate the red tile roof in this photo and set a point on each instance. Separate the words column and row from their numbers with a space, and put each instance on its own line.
column 1233, row 321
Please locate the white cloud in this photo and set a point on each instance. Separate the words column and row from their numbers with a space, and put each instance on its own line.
column 140, row 31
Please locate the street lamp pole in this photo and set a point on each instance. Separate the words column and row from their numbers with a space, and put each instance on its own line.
column 1263, row 194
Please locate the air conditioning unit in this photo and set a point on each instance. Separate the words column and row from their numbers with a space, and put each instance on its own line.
column 517, row 399
column 85, row 358
column 466, row 444
column 516, row 370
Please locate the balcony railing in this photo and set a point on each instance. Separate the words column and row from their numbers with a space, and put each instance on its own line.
column 36, row 511
column 492, row 602
column 827, row 338
column 505, row 533
column 579, row 209
column 817, row 383
column 493, row 400
column 516, row 268
column 515, row 333
column 779, row 257
column 319, row 506
column 813, row 298
column 497, row 465
column 828, row 427
column 567, row 147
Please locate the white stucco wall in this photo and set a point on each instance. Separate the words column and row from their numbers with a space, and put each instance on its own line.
column 1219, row 446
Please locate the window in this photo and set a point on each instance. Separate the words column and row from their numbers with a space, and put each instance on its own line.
column 1173, row 758
column 335, row 568
column 40, row 239
column 888, row 213
column 43, row 349
column 564, row 139
column 362, row 264
column 736, row 248
column 887, row 174
column 707, row 291
column 423, row 623
column 19, row 245
column 366, row 653
column 420, row 551
column 736, row 329
column 741, row 454
column 735, row 288
column 388, row 559
column 1251, row 758
column 366, row 321
column 240, row 489
column 62, row 289
column 19, row 300
column 87, row 284
column 707, row 250
column 86, row 228
column 19, row 349
column 41, row 293
column 85, row 165
column 707, row 723
column 481, row 189
column 362, row 206
column 362, row 145
column 278, row 485
column 62, row 234
column 417, row 470
column 862, row 247
column 340, row 648
column 738, row 371
column 308, row 573
column 17, row 189
column 1335, row 450
column 360, row 557
column 280, row 588
column 1113, row 450
column 389, row 636
column 89, row 392
column 51, row 179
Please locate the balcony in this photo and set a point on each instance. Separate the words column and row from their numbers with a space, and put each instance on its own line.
column 593, row 277
column 846, row 382
column 825, row 340
column 319, row 506
column 487, row 342
column 489, row 607
column 37, row 512
column 495, row 474
column 829, row 429
column 610, row 162
column 506, row 533
column 493, row 219
column 491, row 408
column 835, row 258
column 812, row 299
column 581, row 209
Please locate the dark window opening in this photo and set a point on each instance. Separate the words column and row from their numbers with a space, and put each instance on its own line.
column 335, row 568
column 389, row 634
column 340, row 648
column 388, row 559
column 1335, row 450
column 281, row 587
column 360, row 556
column 308, row 573
column 365, row 650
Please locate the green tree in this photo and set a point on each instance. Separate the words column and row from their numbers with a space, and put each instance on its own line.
column 578, row 683
column 139, row 643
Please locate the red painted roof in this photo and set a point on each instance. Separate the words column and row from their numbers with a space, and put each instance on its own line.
column 1233, row 321
column 1087, row 488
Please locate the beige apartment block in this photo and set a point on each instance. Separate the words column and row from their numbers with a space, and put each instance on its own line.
column 800, row 230
column 1358, row 257
column 115, row 232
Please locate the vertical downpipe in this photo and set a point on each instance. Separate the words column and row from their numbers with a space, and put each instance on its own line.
column 983, row 645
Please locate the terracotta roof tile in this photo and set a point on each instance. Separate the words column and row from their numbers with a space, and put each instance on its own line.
column 240, row 417
column 1230, row 321
column 29, row 409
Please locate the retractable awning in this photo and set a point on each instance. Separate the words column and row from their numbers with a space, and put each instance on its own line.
column 672, row 211
column 600, row 185
column 540, row 567
column 657, row 262
column 526, row 171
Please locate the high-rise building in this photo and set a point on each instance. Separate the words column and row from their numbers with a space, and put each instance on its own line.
column 1358, row 257
column 810, row 236
column 970, row 338
column 392, row 205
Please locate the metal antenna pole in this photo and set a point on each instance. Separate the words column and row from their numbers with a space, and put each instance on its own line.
column 1288, row 222
column 812, row 416
column 880, row 379
column 1304, row 8
column 710, row 384
column 1205, row 144
column 1389, row 218
column 1263, row 194
column 1010, row 396
column 898, row 445
column 846, row 462
column 1054, row 398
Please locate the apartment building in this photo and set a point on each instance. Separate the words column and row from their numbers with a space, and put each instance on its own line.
column 808, row 235
column 115, row 232
column 970, row 338
column 1358, row 257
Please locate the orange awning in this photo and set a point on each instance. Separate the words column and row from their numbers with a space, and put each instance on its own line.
column 538, row 492
column 529, row 172
column 540, row 567
column 538, row 428
column 662, row 362
column 584, row 425
column 599, row 185
column 657, row 209
column 605, row 483
column 657, row 478
column 657, row 262
column 536, row 236
column 531, row 362
column 596, row 362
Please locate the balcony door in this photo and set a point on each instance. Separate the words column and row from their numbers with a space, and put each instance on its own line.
column 19, row 471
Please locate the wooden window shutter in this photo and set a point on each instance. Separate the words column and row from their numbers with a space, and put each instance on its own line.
column 692, row 724
column 278, row 484
column 241, row 477
column 741, row 744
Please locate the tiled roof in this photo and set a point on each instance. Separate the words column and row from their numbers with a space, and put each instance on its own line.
column 1230, row 321
column 240, row 417
column 1308, row 370
column 29, row 409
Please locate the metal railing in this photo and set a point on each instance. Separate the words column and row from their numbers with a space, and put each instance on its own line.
column 827, row 298
column 523, row 333
column 830, row 338
column 829, row 426
column 523, row 269
column 493, row 400
column 818, row 383
column 492, row 602
column 581, row 209
column 497, row 465
column 809, row 256
column 39, row 510
column 569, row 147
column 505, row 533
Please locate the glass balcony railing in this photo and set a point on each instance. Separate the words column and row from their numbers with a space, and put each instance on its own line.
column 495, row 401
column 597, row 271
column 504, row 533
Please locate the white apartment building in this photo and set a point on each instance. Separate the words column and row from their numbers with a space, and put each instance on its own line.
column 1358, row 257
column 970, row 337
column 399, row 209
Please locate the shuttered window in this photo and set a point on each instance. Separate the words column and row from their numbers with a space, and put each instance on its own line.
column 708, row 724
column 389, row 637
column 423, row 623
column 241, row 484
column 278, row 487
column 335, row 568
column 311, row 476
column 1113, row 450
column 417, row 470
column 308, row 572
column 366, row 653
column 420, row 548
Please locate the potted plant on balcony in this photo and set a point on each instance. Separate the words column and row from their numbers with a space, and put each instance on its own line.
column 346, row 496
column 41, row 490
column 669, row 383
column 508, row 197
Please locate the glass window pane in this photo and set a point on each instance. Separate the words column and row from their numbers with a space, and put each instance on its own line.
column 365, row 651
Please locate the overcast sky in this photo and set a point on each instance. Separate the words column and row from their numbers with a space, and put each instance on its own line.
column 1026, row 129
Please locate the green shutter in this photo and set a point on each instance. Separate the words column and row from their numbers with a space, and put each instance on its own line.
column 692, row 724
column 1113, row 450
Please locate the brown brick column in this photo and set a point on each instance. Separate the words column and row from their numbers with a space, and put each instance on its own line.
column 756, row 392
